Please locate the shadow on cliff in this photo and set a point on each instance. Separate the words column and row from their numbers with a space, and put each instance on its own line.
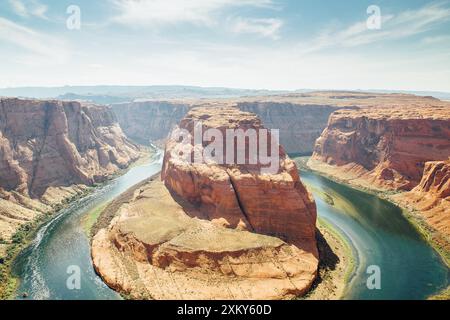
column 328, row 260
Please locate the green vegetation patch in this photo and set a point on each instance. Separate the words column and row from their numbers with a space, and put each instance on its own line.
column 22, row 237
column 90, row 219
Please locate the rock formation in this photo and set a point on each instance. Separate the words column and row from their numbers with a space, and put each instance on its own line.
column 394, row 147
column 431, row 197
column 301, row 118
column 239, row 196
column 51, row 150
column 149, row 121
column 300, row 124
column 384, row 148
column 210, row 230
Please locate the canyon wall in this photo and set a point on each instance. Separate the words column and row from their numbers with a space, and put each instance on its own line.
column 208, row 230
column 239, row 196
column 299, row 124
column 52, row 150
column 149, row 121
column 403, row 149
column 431, row 197
column 382, row 147
column 300, row 117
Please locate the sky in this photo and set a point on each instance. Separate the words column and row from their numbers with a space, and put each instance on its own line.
column 253, row 44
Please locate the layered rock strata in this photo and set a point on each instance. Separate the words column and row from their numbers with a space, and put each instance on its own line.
column 150, row 121
column 384, row 148
column 431, row 197
column 52, row 150
column 209, row 230
column 394, row 148
column 300, row 117
column 299, row 124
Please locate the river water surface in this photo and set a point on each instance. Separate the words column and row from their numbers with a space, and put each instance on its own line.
column 381, row 237
column 62, row 244
column 379, row 234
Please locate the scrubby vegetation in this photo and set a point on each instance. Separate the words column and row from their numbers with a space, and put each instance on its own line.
column 18, row 242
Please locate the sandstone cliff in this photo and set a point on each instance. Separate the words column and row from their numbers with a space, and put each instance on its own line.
column 402, row 147
column 301, row 118
column 51, row 150
column 149, row 121
column 239, row 196
column 384, row 148
column 431, row 197
column 209, row 230
column 300, row 124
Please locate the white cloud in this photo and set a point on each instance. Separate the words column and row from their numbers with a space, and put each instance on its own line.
column 19, row 8
column 437, row 39
column 405, row 24
column 27, row 8
column 39, row 10
column 263, row 27
column 160, row 12
column 41, row 46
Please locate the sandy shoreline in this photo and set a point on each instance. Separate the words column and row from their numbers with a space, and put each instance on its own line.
column 336, row 265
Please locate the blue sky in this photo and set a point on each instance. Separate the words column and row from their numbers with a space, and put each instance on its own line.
column 270, row 44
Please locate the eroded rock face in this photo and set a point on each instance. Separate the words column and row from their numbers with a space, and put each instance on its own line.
column 149, row 121
column 239, row 196
column 299, row 124
column 50, row 150
column 431, row 197
column 300, row 117
column 435, row 179
column 153, row 249
column 384, row 148
column 212, row 231
column 394, row 148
